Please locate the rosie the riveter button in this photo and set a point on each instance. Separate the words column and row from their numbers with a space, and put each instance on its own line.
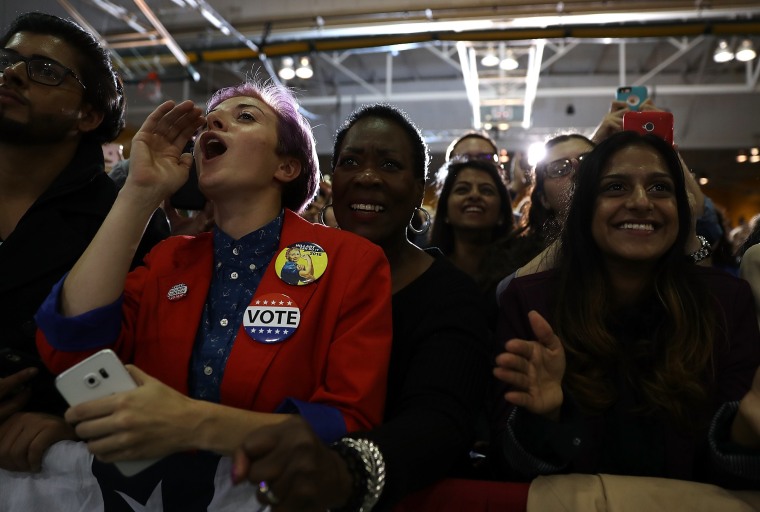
column 271, row 318
column 301, row 263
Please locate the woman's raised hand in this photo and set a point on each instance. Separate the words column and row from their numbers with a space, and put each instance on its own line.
column 534, row 370
column 157, row 165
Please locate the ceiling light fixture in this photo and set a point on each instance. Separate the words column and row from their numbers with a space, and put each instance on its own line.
column 746, row 51
column 509, row 62
column 490, row 59
column 304, row 70
column 723, row 53
column 286, row 71
column 752, row 156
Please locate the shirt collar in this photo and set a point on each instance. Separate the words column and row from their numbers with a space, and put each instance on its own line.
column 255, row 248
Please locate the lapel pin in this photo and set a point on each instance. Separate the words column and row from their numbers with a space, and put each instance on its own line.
column 177, row 291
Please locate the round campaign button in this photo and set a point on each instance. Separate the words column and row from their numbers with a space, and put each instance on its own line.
column 301, row 263
column 271, row 318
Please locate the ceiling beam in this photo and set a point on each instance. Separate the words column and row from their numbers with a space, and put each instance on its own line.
column 274, row 48
column 541, row 92
column 644, row 79
column 168, row 40
column 84, row 23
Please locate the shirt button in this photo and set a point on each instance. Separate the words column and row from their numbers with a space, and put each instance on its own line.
column 236, row 251
column 577, row 441
column 234, row 275
column 252, row 266
column 223, row 322
column 208, row 370
column 219, row 264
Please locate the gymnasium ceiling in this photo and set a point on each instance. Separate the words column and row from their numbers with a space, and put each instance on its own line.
column 424, row 56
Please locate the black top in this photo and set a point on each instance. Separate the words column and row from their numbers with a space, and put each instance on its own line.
column 439, row 370
column 48, row 240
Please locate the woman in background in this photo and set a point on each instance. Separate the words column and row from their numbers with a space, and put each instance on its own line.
column 473, row 212
column 549, row 199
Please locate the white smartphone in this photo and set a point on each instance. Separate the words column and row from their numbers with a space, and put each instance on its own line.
column 100, row 375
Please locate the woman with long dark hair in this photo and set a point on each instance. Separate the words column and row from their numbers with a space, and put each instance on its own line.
column 473, row 212
column 628, row 358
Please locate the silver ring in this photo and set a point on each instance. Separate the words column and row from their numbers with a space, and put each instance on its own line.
column 267, row 493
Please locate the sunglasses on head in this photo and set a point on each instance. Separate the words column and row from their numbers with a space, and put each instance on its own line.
column 468, row 157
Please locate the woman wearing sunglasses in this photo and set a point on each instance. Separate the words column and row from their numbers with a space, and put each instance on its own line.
column 552, row 189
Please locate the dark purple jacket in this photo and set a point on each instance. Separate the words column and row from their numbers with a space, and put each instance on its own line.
column 616, row 441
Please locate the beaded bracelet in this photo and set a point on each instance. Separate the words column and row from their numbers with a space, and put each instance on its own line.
column 704, row 250
column 366, row 465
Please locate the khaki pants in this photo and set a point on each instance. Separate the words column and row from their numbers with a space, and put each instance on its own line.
column 614, row 493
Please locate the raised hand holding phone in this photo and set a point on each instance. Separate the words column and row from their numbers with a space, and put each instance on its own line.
column 633, row 96
column 651, row 122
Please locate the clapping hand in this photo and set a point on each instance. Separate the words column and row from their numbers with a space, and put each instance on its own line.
column 534, row 370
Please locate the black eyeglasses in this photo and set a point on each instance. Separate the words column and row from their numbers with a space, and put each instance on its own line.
column 467, row 157
column 38, row 69
column 563, row 166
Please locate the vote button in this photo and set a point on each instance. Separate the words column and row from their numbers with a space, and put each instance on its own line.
column 271, row 318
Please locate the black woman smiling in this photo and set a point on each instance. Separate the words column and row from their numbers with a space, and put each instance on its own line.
column 440, row 345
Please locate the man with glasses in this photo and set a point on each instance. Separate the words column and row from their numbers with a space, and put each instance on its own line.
column 60, row 100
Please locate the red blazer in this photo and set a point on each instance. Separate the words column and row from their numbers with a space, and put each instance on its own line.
column 338, row 356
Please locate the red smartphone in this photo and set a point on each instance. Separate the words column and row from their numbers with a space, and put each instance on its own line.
column 649, row 122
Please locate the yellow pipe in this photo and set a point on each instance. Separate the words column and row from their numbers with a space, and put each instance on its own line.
column 582, row 32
